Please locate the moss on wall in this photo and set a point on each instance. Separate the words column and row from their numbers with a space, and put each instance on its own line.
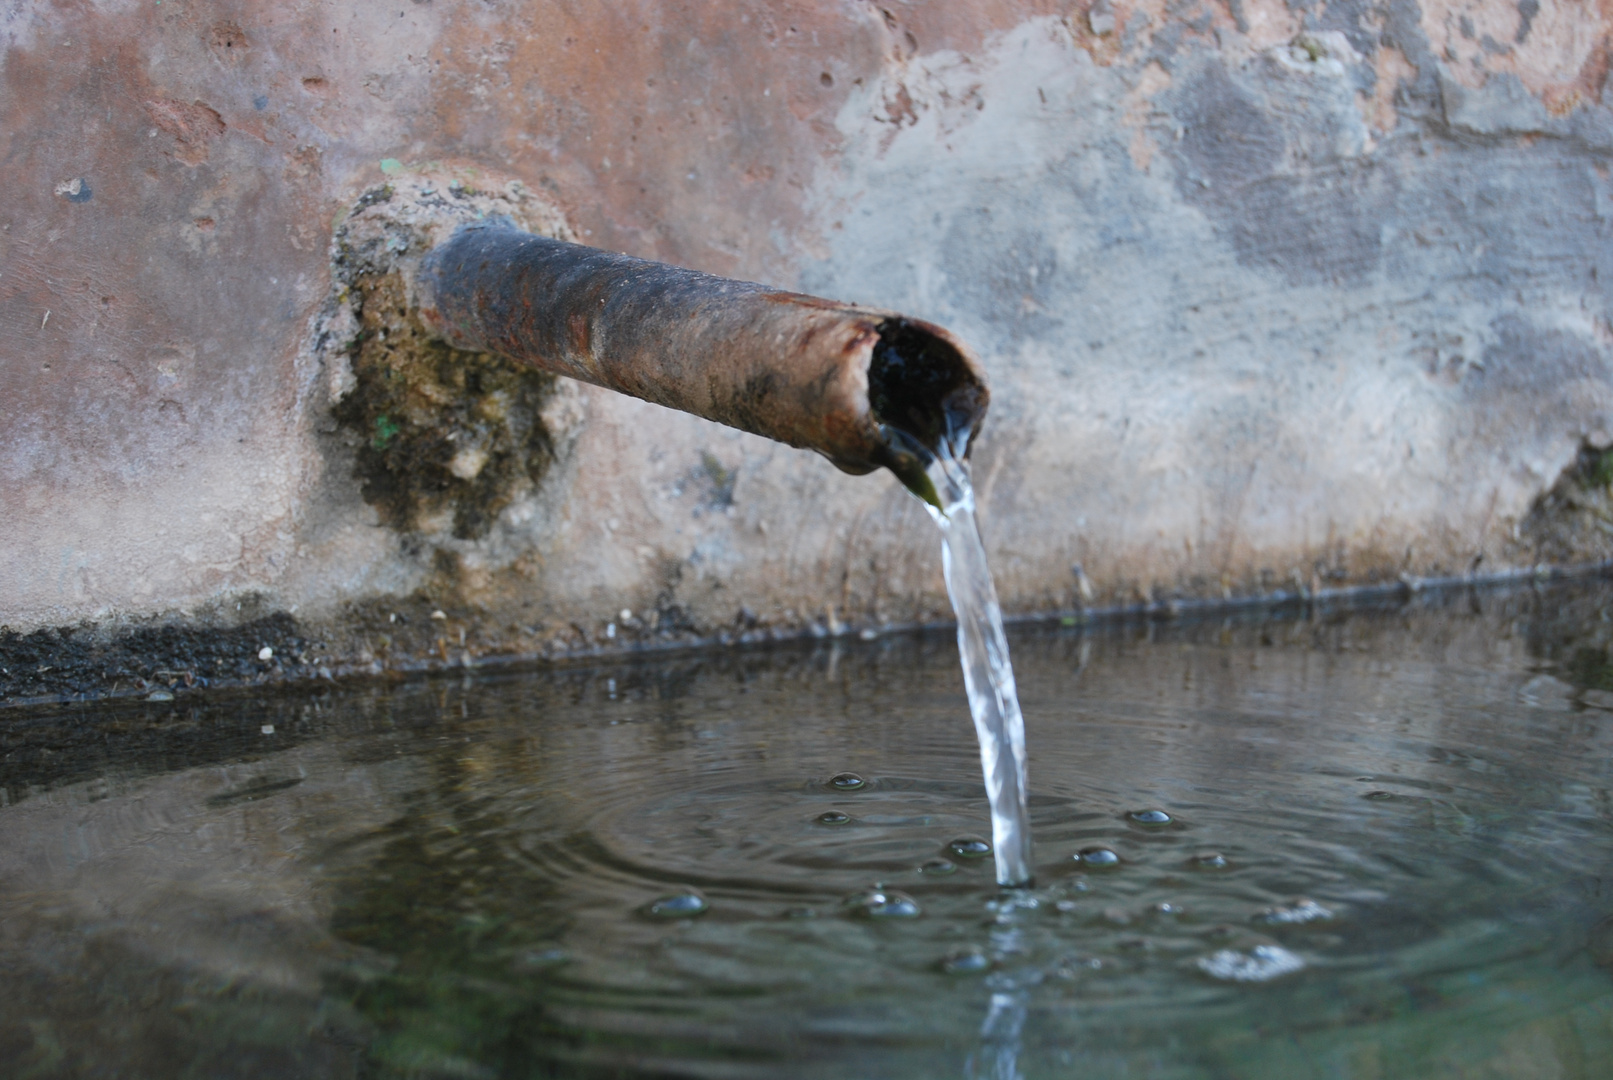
column 443, row 437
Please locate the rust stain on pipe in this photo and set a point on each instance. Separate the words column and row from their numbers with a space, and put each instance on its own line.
column 859, row 385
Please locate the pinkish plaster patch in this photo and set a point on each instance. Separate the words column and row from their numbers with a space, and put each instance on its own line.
column 1560, row 53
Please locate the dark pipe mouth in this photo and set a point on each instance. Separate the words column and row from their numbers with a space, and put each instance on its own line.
column 923, row 393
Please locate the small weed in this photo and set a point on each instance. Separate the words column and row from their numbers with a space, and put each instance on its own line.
column 1313, row 48
column 386, row 429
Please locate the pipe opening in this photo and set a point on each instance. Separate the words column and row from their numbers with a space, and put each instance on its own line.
column 922, row 393
column 921, row 385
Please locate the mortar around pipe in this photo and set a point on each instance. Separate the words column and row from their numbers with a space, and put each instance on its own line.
column 442, row 440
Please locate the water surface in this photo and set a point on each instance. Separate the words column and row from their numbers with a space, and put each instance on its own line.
column 1375, row 846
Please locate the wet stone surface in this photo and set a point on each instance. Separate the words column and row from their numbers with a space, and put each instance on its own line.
column 625, row 870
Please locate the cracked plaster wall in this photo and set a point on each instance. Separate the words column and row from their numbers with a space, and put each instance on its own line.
column 1268, row 293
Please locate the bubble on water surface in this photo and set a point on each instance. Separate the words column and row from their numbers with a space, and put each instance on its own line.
column 1073, row 967
column 1260, row 964
column 882, row 903
column 833, row 817
column 682, row 905
column 1097, row 857
column 1293, row 913
column 970, row 847
column 939, row 866
column 846, row 781
column 1209, row 860
column 1379, row 796
column 965, row 962
column 1150, row 818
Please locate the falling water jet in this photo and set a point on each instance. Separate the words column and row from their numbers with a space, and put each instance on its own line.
column 929, row 409
column 988, row 676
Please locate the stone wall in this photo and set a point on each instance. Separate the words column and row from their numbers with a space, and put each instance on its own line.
column 1272, row 296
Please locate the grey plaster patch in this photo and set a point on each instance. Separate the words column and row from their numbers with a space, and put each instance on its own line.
column 1530, row 378
column 1005, row 271
column 1527, row 10
column 1228, row 140
column 1501, row 107
column 1527, row 359
column 1359, row 21
column 1275, row 153
column 1403, row 30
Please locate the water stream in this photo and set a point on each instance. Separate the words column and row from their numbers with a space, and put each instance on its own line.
column 983, row 650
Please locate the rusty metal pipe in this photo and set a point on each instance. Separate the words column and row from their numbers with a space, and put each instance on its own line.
column 863, row 387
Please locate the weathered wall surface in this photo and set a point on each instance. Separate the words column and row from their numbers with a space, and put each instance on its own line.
column 1270, row 294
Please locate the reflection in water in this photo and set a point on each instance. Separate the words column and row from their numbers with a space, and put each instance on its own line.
column 1378, row 846
column 998, row 1056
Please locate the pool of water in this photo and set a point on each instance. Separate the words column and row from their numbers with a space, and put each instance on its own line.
column 1374, row 845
